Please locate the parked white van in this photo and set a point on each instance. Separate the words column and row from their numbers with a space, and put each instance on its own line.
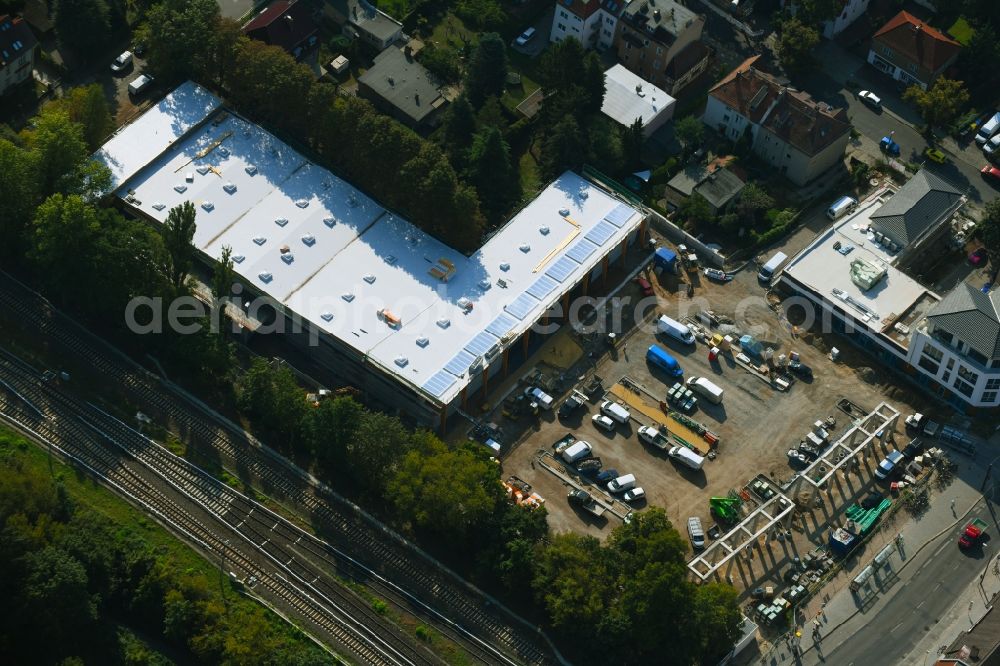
column 696, row 532
column 576, row 451
column 675, row 329
column 707, row 389
column 622, row 483
column 615, row 411
column 841, row 207
column 988, row 130
column 768, row 270
column 686, row 457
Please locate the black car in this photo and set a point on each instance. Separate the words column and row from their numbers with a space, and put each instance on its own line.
column 570, row 407
column 913, row 449
column 802, row 370
column 606, row 475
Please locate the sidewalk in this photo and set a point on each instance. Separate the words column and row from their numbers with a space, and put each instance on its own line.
column 836, row 609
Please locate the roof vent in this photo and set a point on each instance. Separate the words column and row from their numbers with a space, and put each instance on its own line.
column 584, row 194
column 229, row 188
column 223, row 151
column 444, row 323
column 504, row 266
column 208, row 205
column 203, row 170
column 238, row 258
column 422, row 342
column 287, row 257
column 401, row 361
column 180, row 188
column 158, row 206
column 465, row 304
column 502, row 283
column 544, row 230
column 189, row 176
column 524, row 247
column 390, row 259
column 352, row 200
column 369, row 278
column 265, row 277
column 309, row 240
column 260, row 240
column 302, row 203
column 564, row 212
column 348, row 296
column 326, row 316
column 251, row 169
column 281, row 221
column 329, row 221
column 484, row 284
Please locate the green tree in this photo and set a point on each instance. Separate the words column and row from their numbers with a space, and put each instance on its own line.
column 178, row 237
column 374, row 453
column 989, row 231
column 573, row 80
column 753, row 199
column 331, row 427
column 82, row 25
column 632, row 139
column 492, row 173
column 458, row 128
column 87, row 106
column 574, row 579
column 486, row 74
column 796, row 43
column 605, row 145
column 940, row 105
column 223, row 274
column 269, row 85
column 59, row 149
column 690, row 131
column 814, row 12
column 563, row 148
column 63, row 241
column 180, row 38
column 695, row 212
column 56, row 597
column 443, row 63
column 18, row 191
column 444, row 491
column 274, row 402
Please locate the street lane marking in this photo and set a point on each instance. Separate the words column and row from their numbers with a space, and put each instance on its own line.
column 896, row 627
column 921, row 603
column 943, row 546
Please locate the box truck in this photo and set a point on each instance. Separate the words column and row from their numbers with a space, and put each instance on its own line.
column 675, row 329
column 707, row 389
column 686, row 457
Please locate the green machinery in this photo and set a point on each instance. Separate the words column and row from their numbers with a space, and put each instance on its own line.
column 726, row 509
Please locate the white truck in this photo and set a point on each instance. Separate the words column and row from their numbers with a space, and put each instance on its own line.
column 675, row 330
column 923, row 425
column 576, row 451
column 654, row 437
column 539, row 397
column 686, row 457
column 707, row 389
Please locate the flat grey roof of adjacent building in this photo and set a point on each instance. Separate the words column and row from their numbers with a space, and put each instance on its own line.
column 916, row 207
column 403, row 82
column 972, row 316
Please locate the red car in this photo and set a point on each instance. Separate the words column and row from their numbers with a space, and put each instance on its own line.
column 978, row 257
column 991, row 173
column 647, row 289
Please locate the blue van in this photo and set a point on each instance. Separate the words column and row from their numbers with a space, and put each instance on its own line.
column 664, row 361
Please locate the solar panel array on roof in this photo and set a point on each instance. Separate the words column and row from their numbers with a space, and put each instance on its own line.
column 583, row 249
column 600, row 234
column 522, row 306
column 482, row 343
column 620, row 215
column 542, row 287
column 460, row 363
column 502, row 325
column 562, row 269
column 439, row 383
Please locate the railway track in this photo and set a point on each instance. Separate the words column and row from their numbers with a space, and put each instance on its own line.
column 358, row 547
column 336, row 612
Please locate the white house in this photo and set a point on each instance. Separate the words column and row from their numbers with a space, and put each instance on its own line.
column 628, row 97
column 591, row 22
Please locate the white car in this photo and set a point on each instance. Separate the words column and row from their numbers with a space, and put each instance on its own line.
column 634, row 495
column 525, row 37
column 603, row 422
column 622, row 483
column 121, row 62
column 870, row 98
column 992, row 147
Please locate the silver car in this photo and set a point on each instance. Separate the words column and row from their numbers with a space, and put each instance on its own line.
column 121, row 62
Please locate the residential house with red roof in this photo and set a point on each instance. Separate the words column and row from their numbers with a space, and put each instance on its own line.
column 285, row 23
column 17, row 51
column 798, row 136
column 910, row 51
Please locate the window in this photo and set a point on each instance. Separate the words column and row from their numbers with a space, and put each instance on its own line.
column 934, row 353
column 993, row 384
column 561, row 27
column 946, row 376
column 607, row 32
column 609, row 20
column 995, row 363
column 564, row 14
column 963, row 387
column 659, row 51
column 929, row 365
column 887, row 51
column 725, row 118
column 990, row 396
column 656, row 65
column 968, row 375
column 951, row 363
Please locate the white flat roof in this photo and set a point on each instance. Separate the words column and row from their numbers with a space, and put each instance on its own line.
column 346, row 258
column 139, row 143
column 823, row 269
column 624, row 104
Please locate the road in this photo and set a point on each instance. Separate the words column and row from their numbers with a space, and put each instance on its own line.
column 356, row 545
column 923, row 596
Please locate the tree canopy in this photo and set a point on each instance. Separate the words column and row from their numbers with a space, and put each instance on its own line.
column 486, row 74
column 989, row 230
column 941, row 104
column 82, row 25
column 796, row 43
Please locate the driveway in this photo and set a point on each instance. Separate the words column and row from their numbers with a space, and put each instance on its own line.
column 543, row 28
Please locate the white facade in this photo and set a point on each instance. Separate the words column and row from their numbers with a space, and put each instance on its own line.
column 597, row 31
column 628, row 97
column 950, row 367
column 851, row 11
column 726, row 120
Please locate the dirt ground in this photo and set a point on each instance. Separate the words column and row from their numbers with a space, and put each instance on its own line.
column 756, row 423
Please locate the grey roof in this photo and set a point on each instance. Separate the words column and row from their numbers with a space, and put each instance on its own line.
column 366, row 17
column 972, row 316
column 404, row 83
column 718, row 187
column 918, row 206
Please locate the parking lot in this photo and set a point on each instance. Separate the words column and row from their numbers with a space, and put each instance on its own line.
column 756, row 423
